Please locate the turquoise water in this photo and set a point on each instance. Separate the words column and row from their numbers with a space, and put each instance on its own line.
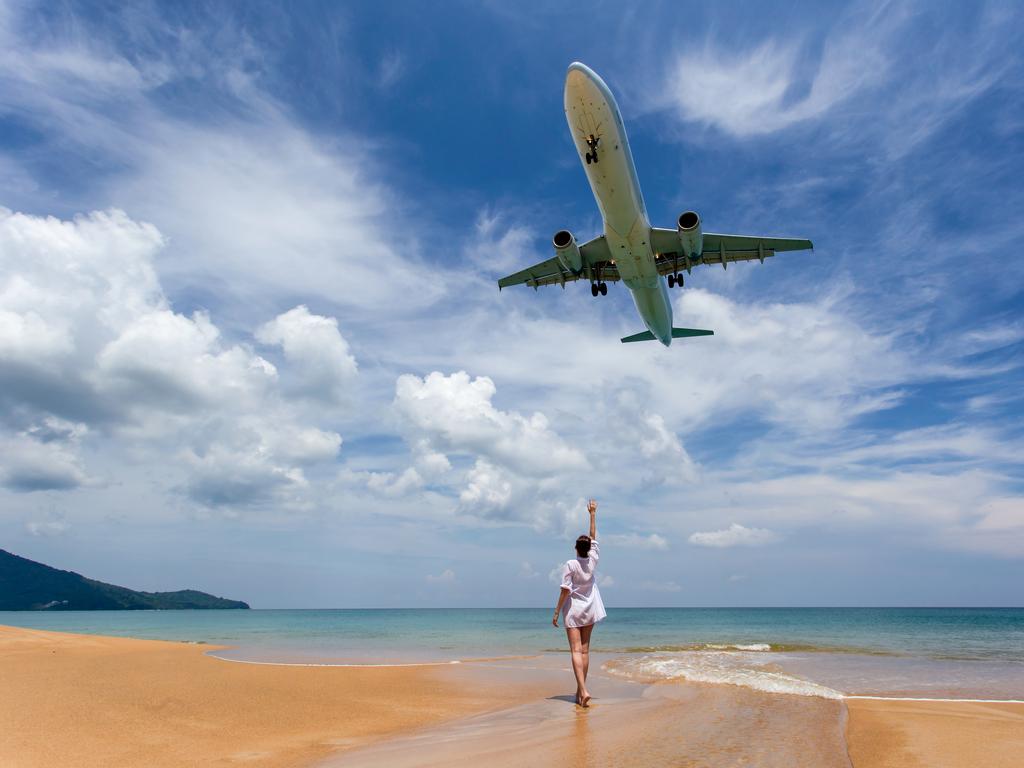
column 968, row 650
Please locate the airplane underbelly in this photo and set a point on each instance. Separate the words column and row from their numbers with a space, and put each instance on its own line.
column 654, row 307
column 605, row 155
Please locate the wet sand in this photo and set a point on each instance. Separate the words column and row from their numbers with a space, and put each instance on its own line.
column 82, row 700
column 630, row 725
column 933, row 734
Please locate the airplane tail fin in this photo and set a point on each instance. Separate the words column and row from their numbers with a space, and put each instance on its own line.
column 677, row 333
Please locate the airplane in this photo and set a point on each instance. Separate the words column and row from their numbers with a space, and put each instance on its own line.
column 631, row 250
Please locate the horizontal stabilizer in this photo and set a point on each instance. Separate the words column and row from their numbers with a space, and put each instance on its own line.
column 682, row 333
column 677, row 333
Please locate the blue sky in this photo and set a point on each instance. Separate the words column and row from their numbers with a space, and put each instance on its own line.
column 250, row 339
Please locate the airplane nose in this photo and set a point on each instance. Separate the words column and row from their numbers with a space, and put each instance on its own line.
column 579, row 69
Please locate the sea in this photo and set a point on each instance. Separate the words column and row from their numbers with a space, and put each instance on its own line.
column 958, row 653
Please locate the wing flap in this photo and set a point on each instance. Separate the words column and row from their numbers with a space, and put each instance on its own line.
column 596, row 265
column 720, row 249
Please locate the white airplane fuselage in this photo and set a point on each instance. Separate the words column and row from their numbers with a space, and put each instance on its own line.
column 592, row 113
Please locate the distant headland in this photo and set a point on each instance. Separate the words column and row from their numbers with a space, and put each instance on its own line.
column 26, row 585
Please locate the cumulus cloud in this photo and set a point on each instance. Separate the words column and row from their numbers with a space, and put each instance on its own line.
column 44, row 457
column 28, row 465
column 112, row 356
column 393, row 485
column 735, row 535
column 317, row 354
column 455, row 413
column 488, row 489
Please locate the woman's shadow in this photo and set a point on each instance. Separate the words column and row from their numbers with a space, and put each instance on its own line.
column 563, row 697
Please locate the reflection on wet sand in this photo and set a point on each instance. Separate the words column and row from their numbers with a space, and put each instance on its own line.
column 631, row 724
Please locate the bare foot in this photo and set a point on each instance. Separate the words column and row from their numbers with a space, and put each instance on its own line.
column 585, row 699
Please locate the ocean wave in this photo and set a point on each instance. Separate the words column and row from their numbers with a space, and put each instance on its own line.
column 749, row 669
column 749, row 647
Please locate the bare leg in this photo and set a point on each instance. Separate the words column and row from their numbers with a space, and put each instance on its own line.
column 576, row 650
column 585, row 647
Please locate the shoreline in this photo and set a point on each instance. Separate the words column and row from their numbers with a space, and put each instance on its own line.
column 172, row 703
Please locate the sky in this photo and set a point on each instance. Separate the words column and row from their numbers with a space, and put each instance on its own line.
column 251, row 340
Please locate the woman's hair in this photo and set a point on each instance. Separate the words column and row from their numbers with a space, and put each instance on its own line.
column 583, row 546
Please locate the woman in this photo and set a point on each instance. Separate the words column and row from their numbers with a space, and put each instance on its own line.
column 580, row 602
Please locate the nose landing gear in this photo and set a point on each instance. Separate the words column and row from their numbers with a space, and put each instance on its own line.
column 592, row 142
column 600, row 288
column 675, row 280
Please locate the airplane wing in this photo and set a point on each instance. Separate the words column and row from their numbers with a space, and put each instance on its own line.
column 596, row 264
column 720, row 249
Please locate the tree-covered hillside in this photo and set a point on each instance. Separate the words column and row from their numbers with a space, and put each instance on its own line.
column 26, row 585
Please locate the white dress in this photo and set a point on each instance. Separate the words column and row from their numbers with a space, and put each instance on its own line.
column 584, row 606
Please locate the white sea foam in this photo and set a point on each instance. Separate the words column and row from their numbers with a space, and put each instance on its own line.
column 748, row 668
column 760, row 647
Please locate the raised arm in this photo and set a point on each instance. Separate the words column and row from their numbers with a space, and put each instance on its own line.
column 592, row 509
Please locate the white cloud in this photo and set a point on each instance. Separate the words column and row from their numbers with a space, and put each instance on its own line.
column 761, row 88
column 734, row 536
column 114, row 358
column 635, row 541
column 604, row 580
column 393, row 485
column 392, row 69
column 166, row 361
column 46, row 527
column 488, row 489
column 527, row 571
column 447, row 576
column 555, row 574
column 317, row 353
column 29, row 465
column 501, row 246
column 430, row 463
column 455, row 414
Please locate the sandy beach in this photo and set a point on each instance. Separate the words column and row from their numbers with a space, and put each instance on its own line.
column 83, row 700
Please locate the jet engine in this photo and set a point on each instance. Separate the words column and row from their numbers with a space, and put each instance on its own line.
column 690, row 235
column 567, row 251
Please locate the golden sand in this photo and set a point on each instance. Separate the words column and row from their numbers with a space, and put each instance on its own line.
column 82, row 700
column 935, row 734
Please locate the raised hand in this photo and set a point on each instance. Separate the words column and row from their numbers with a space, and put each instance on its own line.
column 592, row 506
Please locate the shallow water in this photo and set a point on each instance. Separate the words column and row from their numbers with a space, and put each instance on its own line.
column 628, row 724
column 973, row 653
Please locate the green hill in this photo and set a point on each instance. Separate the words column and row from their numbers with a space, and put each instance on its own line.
column 26, row 585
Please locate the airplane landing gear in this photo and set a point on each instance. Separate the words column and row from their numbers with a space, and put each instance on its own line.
column 592, row 142
column 675, row 280
column 593, row 290
column 599, row 289
column 603, row 288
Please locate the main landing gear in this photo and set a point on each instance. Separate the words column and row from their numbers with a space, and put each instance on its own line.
column 592, row 142
column 675, row 280
column 599, row 288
